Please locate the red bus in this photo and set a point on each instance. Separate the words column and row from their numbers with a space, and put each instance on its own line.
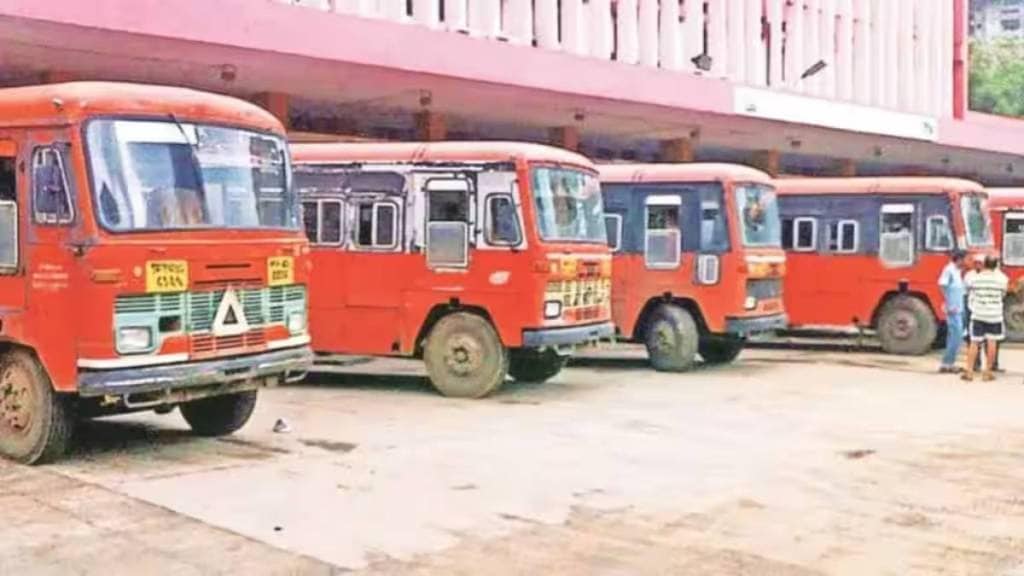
column 867, row 252
column 1007, row 208
column 482, row 258
column 150, row 257
column 698, row 260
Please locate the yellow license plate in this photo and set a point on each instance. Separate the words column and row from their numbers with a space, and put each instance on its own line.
column 280, row 270
column 166, row 276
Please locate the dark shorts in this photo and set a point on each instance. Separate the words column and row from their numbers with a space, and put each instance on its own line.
column 982, row 331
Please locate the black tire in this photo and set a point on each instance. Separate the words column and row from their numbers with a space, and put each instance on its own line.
column 36, row 423
column 671, row 338
column 219, row 415
column 465, row 357
column 906, row 326
column 1014, row 314
column 532, row 365
column 720, row 349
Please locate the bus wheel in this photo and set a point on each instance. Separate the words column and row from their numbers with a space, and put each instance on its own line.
column 532, row 365
column 35, row 422
column 219, row 415
column 906, row 326
column 465, row 357
column 1014, row 313
column 720, row 349
column 671, row 339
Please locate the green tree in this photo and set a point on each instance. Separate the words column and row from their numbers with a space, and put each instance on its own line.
column 997, row 77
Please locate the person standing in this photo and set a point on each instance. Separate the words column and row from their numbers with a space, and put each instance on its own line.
column 952, row 284
column 985, row 293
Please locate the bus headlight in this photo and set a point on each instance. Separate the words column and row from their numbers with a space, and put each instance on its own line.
column 133, row 339
column 750, row 303
column 552, row 309
column 297, row 322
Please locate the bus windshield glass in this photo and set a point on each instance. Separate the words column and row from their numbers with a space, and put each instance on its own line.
column 976, row 220
column 568, row 205
column 758, row 211
column 166, row 175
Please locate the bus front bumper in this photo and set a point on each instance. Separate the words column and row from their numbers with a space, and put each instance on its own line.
column 284, row 365
column 744, row 327
column 567, row 336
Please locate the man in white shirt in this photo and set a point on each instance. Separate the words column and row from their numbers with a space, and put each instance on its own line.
column 985, row 293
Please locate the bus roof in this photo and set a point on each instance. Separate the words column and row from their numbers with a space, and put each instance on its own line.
column 1005, row 198
column 77, row 101
column 410, row 152
column 622, row 173
column 884, row 185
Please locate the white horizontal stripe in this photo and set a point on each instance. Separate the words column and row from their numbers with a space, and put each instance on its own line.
column 755, row 259
column 664, row 200
column 289, row 342
column 130, row 361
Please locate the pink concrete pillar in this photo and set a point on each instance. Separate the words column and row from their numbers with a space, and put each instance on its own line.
column 757, row 51
column 517, row 21
column 485, row 18
column 737, row 30
column 693, row 32
column 812, row 44
column 795, row 44
column 545, row 18
column 946, row 60
column 456, row 15
column 628, row 48
column 862, row 52
column 906, row 55
column 572, row 32
column 961, row 45
column 879, row 52
column 925, row 50
column 892, row 61
column 844, row 50
column 669, row 50
column 828, row 48
column 427, row 12
column 775, row 41
column 601, row 31
column 649, row 33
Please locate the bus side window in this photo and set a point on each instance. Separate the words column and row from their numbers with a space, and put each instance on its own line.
column 787, row 233
column 502, row 221
column 377, row 225
column 663, row 242
column 937, row 236
column 51, row 200
column 1013, row 239
column 896, row 238
column 613, row 230
column 323, row 220
column 844, row 237
column 805, row 234
column 8, row 215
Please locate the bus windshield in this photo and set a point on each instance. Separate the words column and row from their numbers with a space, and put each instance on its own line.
column 568, row 205
column 166, row 175
column 758, row 211
column 977, row 224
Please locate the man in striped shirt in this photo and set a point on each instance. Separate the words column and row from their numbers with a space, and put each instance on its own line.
column 985, row 293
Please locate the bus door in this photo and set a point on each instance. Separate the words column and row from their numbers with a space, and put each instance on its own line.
column 896, row 246
column 12, row 281
column 614, row 219
column 52, row 269
column 450, row 216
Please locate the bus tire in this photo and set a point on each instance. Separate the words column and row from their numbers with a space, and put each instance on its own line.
column 536, row 366
column 219, row 415
column 465, row 357
column 720, row 349
column 1014, row 314
column 906, row 326
column 671, row 339
column 36, row 423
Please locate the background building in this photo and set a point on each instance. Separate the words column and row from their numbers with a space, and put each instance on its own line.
column 996, row 19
